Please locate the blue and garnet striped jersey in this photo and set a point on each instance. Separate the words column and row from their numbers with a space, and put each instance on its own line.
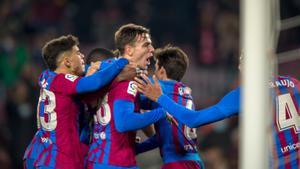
column 177, row 141
column 115, row 125
column 56, row 143
column 285, row 152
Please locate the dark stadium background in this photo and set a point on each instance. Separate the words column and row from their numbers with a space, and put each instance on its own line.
column 208, row 30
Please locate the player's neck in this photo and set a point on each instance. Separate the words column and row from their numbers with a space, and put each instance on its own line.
column 63, row 70
column 126, row 56
column 166, row 78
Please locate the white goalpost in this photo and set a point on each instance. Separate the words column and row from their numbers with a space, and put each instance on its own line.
column 257, row 43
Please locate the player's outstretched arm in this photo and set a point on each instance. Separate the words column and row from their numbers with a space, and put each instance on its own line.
column 100, row 78
column 128, row 120
column 147, row 145
column 228, row 106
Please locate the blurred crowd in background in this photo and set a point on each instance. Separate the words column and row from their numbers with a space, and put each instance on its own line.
column 207, row 30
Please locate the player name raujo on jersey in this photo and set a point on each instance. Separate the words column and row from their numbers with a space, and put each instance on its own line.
column 282, row 83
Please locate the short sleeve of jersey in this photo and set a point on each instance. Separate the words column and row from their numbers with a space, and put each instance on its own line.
column 65, row 83
column 126, row 90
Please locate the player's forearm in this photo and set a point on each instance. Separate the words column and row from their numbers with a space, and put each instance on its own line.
column 191, row 118
column 228, row 106
column 127, row 120
column 104, row 65
column 149, row 144
column 230, row 103
column 181, row 113
column 210, row 115
column 101, row 78
column 134, row 121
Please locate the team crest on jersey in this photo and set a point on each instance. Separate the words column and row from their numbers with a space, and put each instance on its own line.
column 70, row 77
column 132, row 88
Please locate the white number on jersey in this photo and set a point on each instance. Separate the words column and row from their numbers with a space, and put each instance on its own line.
column 287, row 115
column 103, row 114
column 190, row 133
column 48, row 98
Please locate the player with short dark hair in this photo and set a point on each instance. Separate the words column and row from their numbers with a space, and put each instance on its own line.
column 176, row 141
column 99, row 54
column 56, row 143
column 173, row 60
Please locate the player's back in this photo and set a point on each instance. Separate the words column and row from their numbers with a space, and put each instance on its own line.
column 177, row 141
column 56, row 143
column 286, row 124
column 109, row 146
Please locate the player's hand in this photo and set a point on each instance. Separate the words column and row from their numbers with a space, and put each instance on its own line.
column 95, row 66
column 145, row 86
column 128, row 73
column 140, row 71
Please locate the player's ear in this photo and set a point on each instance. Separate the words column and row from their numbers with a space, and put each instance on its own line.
column 163, row 73
column 66, row 60
column 128, row 50
column 63, row 60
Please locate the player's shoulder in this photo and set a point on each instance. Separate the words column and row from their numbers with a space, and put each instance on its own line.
column 46, row 79
column 294, row 80
column 183, row 89
column 67, row 77
column 291, row 80
column 65, row 83
column 65, row 80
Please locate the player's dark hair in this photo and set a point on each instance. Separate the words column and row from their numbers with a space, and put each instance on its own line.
column 99, row 54
column 173, row 60
column 55, row 47
column 126, row 34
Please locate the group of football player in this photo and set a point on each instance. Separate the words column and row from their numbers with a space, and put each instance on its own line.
column 90, row 108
